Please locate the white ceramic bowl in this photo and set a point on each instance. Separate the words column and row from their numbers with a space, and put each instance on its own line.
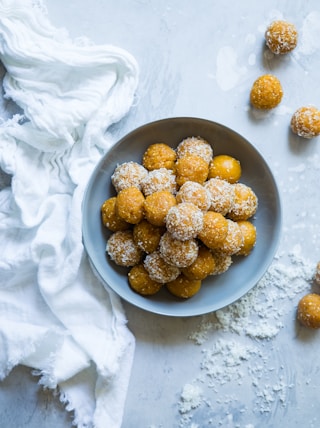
column 216, row 291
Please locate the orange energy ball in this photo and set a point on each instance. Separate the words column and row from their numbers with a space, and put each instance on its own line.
column 184, row 287
column 249, row 234
column 266, row 92
column 159, row 155
column 245, row 202
column 305, row 122
column 191, row 168
column 225, row 167
column 122, row 249
column 141, row 282
column 215, row 229
column 233, row 241
column 157, row 205
column 203, row 266
column 110, row 217
column 147, row 236
column 195, row 146
column 309, row 310
column 129, row 205
column 195, row 193
column 281, row 37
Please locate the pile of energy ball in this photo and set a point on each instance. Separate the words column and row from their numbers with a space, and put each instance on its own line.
column 178, row 216
column 266, row 92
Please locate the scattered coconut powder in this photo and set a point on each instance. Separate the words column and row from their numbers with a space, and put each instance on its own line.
column 257, row 315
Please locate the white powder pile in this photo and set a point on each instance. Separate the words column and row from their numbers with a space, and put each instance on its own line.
column 191, row 398
column 238, row 357
column 256, row 315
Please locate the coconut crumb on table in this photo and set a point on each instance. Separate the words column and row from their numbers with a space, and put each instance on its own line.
column 238, row 355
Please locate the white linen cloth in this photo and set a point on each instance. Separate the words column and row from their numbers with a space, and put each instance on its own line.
column 55, row 315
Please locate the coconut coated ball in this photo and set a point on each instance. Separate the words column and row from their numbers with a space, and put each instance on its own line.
column 159, row 155
column 157, row 180
column 195, row 146
column 122, row 249
column 221, row 195
column 128, row 174
column 178, row 253
column 222, row 262
column 281, row 37
column 158, row 269
column 195, row 193
column 266, row 92
column 234, row 239
column 141, row 282
column 245, row 202
column 184, row 221
column 305, row 122
column 309, row 311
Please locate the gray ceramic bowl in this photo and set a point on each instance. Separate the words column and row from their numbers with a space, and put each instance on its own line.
column 216, row 291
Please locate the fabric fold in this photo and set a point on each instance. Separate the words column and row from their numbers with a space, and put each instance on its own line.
column 55, row 315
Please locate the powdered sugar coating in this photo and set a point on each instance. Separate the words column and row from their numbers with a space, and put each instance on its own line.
column 195, row 193
column 158, row 269
column 178, row 253
column 122, row 249
column 184, row 221
column 128, row 174
column 195, row 146
column 221, row 195
column 157, row 180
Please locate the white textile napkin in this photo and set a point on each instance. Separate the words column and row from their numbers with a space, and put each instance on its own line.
column 55, row 315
